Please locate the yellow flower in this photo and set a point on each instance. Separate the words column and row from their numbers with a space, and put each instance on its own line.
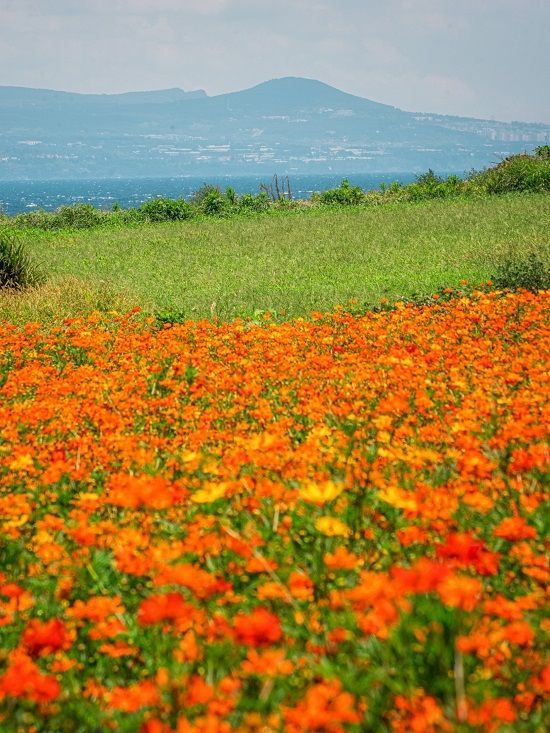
column 319, row 493
column 22, row 463
column 209, row 493
column 332, row 527
column 398, row 498
column 189, row 456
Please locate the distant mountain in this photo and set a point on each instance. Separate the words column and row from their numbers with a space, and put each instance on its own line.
column 284, row 125
column 16, row 96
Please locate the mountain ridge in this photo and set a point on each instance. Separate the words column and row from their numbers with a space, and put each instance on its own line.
column 289, row 124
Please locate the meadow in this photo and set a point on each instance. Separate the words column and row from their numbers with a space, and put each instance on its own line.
column 289, row 262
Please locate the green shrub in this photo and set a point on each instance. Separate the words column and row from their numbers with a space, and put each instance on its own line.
column 35, row 219
column 516, row 173
column 170, row 316
column 528, row 273
column 211, row 201
column 431, row 186
column 231, row 196
column 344, row 195
column 543, row 152
column 162, row 209
column 16, row 268
column 251, row 202
column 214, row 203
column 77, row 216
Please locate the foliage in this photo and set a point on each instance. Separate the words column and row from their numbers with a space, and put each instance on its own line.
column 169, row 317
column 543, row 152
column 430, row 186
column 344, row 195
column 17, row 269
column 254, row 203
column 333, row 525
column 529, row 272
column 517, row 173
column 163, row 209
column 214, row 203
column 77, row 216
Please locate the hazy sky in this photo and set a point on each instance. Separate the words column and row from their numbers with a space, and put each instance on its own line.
column 484, row 58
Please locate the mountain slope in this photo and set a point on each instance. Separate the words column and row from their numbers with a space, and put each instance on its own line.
column 285, row 125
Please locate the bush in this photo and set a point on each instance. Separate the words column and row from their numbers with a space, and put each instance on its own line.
column 528, row 273
column 161, row 209
column 431, row 186
column 36, row 220
column 77, row 216
column 211, row 201
column 345, row 195
column 170, row 316
column 249, row 202
column 214, row 203
column 16, row 267
column 516, row 173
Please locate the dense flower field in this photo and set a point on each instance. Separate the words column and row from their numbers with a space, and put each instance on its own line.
column 327, row 525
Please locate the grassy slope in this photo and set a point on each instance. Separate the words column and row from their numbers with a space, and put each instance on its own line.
column 301, row 261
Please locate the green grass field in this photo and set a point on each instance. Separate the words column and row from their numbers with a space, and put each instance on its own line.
column 293, row 262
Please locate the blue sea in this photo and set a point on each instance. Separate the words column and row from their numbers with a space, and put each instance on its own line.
column 21, row 196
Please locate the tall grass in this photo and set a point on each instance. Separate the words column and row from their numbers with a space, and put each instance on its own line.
column 51, row 302
column 17, row 269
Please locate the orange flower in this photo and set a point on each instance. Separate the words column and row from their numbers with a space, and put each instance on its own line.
column 164, row 607
column 515, row 528
column 133, row 492
column 325, row 708
column 198, row 691
column 113, row 432
column 459, row 591
column 341, row 559
column 25, row 680
column 269, row 662
column 97, row 608
column 118, row 649
column 41, row 638
column 411, row 534
column 520, row 633
column 301, row 586
column 13, row 600
column 419, row 714
column 129, row 699
column 258, row 628
column 200, row 582
column 491, row 714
